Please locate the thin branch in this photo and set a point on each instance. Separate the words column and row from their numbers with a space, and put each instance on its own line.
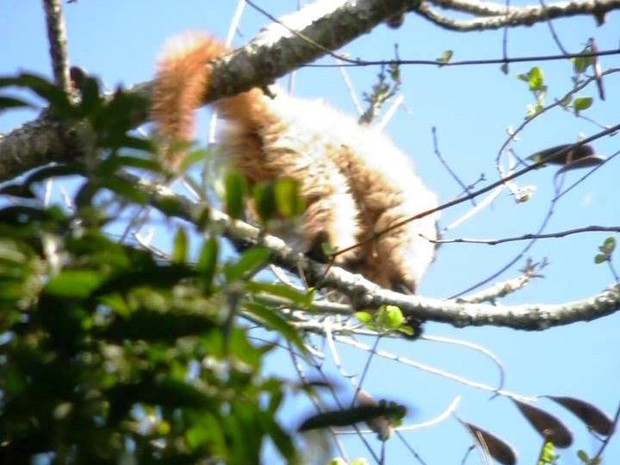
column 446, row 165
column 482, row 204
column 495, row 16
column 530, row 236
column 357, row 62
column 359, row 109
column 501, row 182
column 504, row 288
column 433, row 421
column 518, row 256
column 297, row 39
column 598, row 457
column 433, row 370
column 554, row 34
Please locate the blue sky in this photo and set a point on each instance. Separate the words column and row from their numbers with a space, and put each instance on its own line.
column 471, row 108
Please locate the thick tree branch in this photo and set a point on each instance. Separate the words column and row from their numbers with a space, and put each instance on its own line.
column 57, row 37
column 298, row 39
column 367, row 295
column 34, row 144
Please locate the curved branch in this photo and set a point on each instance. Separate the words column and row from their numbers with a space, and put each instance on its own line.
column 37, row 143
column 495, row 16
column 529, row 236
column 365, row 294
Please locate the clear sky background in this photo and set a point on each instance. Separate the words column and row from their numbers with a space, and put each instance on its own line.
column 471, row 108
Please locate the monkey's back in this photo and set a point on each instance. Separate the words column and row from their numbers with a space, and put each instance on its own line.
column 355, row 180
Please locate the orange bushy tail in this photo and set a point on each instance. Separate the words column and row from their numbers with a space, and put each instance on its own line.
column 181, row 86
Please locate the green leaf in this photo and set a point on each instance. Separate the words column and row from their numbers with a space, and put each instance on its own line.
column 91, row 99
column 13, row 252
column 125, row 189
column 251, row 261
column 607, row 249
column 163, row 277
column 128, row 141
column 281, row 440
column 582, row 103
column 265, row 201
column 536, row 79
column 566, row 101
column 445, row 57
column 168, row 393
column 393, row 317
column 13, row 102
column 152, row 325
column 17, row 190
column 116, row 162
column 600, row 258
column 609, row 245
column 533, row 110
column 289, row 202
column 581, row 63
column 24, row 215
column 45, row 89
column 236, row 188
column 52, row 171
column 583, row 456
column 205, row 431
column 547, row 454
column 74, row 283
column 270, row 318
column 191, row 157
column 112, row 121
column 389, row 318
column 303, row 299
column 180, row 248
column 207, row 263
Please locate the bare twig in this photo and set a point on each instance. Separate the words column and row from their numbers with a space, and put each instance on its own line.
column 527, row 237
column 447, row 166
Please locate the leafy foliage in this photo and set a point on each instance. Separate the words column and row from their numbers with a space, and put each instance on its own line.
column 535, row 79
column 606, row 250
column 109, row 355
column 390, row 318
